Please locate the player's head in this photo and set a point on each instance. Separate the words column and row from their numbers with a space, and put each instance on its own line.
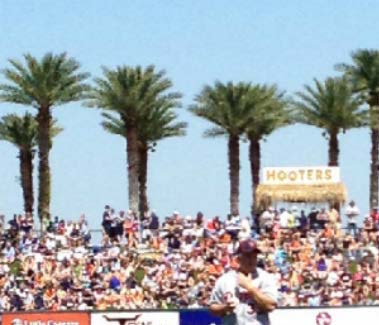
column 247, row 255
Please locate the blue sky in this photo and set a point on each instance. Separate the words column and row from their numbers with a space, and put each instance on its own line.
column 196, row 42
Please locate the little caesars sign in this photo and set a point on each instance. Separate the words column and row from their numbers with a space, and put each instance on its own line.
column 301, row 175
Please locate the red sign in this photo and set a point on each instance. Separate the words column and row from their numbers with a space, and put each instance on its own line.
column 46, row 319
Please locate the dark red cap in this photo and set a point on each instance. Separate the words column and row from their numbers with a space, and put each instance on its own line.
column 248, row 246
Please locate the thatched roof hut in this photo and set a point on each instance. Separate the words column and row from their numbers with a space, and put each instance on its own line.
column 335, row 193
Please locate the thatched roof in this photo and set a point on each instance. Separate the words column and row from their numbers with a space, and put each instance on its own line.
column 332, row 193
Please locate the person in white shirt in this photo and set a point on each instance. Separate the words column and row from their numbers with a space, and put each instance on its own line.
column 352, row 213
column 245, row 231
column 283, row 218
column 245, row 296
column 266, row 220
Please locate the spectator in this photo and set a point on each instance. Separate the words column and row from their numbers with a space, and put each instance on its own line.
column 304, row 222
column 61, row 270
column 375, row 217
column 312, row 217
column 266, row 220
column 352, row 213
column 322, row 218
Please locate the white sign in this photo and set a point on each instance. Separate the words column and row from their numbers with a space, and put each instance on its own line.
column 301, row 175
column 135, row 318
column 326, row 316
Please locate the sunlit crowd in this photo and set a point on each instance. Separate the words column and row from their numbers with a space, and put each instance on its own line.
column 173, row 262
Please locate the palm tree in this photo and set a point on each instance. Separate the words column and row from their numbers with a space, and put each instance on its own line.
column 364, row 77
column 225, row 106
column 43, row 84
column 269, row 111
column 332, row 107
column 130, row 92
column 22, row 132
column 157, row 124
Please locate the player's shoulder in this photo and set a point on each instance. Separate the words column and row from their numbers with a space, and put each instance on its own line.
column 227, row 277
column 264, row 275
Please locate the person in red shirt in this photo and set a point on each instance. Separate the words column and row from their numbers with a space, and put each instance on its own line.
column 375, row 217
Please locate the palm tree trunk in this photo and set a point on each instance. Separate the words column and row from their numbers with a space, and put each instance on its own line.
column 333, row 149
column 143, row 201
column 234, row 171
column 44, row 123
column 133, row 166
column 255, row 166
column 374, row 168
column 26, row 171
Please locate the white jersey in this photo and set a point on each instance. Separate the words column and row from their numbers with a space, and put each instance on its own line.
column 245, row 313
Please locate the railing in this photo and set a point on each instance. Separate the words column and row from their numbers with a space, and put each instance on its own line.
column 351, row 315
column 96, row 234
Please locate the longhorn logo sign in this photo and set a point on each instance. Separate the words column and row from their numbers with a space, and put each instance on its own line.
column 127, row 320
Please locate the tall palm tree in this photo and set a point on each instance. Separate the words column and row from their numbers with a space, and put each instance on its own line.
column 225, row 106
column 332, row 107
column 22, row 132
column 44, row 84
column 269, row 111
column 364, row 76
column 130, row 92
column 155, row 125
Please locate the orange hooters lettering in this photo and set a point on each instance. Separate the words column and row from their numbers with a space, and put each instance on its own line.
column 270, row 175
column 328, row 174
column 318, row 174
column 309, row 174
column 292, row 176
column 282, row 175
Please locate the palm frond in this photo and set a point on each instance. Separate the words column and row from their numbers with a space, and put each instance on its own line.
column 330, row 105
column 53, row 80
column 215, row 132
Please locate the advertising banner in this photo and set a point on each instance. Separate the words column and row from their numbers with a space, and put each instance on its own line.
column 301, row 175
column 326, row 316
column 135, row 318
column 61, row 318
column 198, row 317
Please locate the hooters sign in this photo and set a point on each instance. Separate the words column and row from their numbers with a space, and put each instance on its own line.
column 301, row 175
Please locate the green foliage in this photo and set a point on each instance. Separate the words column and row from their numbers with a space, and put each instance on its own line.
column 139, row 97
column 239, row 108
column 22, row 130
column 269, row 111
column 51, row 81
column 156, row 125
column 54, row 80
column 130, row 91
column 330, row 106
column 225, row 106
column 363, row 74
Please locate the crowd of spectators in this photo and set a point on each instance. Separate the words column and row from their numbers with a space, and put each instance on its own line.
column 174, row 262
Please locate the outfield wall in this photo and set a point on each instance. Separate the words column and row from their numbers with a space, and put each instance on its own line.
column 354, row 315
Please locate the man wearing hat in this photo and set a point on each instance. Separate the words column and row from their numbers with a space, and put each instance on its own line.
column 245, row 296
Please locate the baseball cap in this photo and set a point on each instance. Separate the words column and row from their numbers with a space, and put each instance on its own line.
column 248, row 246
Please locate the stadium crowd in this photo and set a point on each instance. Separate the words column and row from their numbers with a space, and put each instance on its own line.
column 174, row 262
